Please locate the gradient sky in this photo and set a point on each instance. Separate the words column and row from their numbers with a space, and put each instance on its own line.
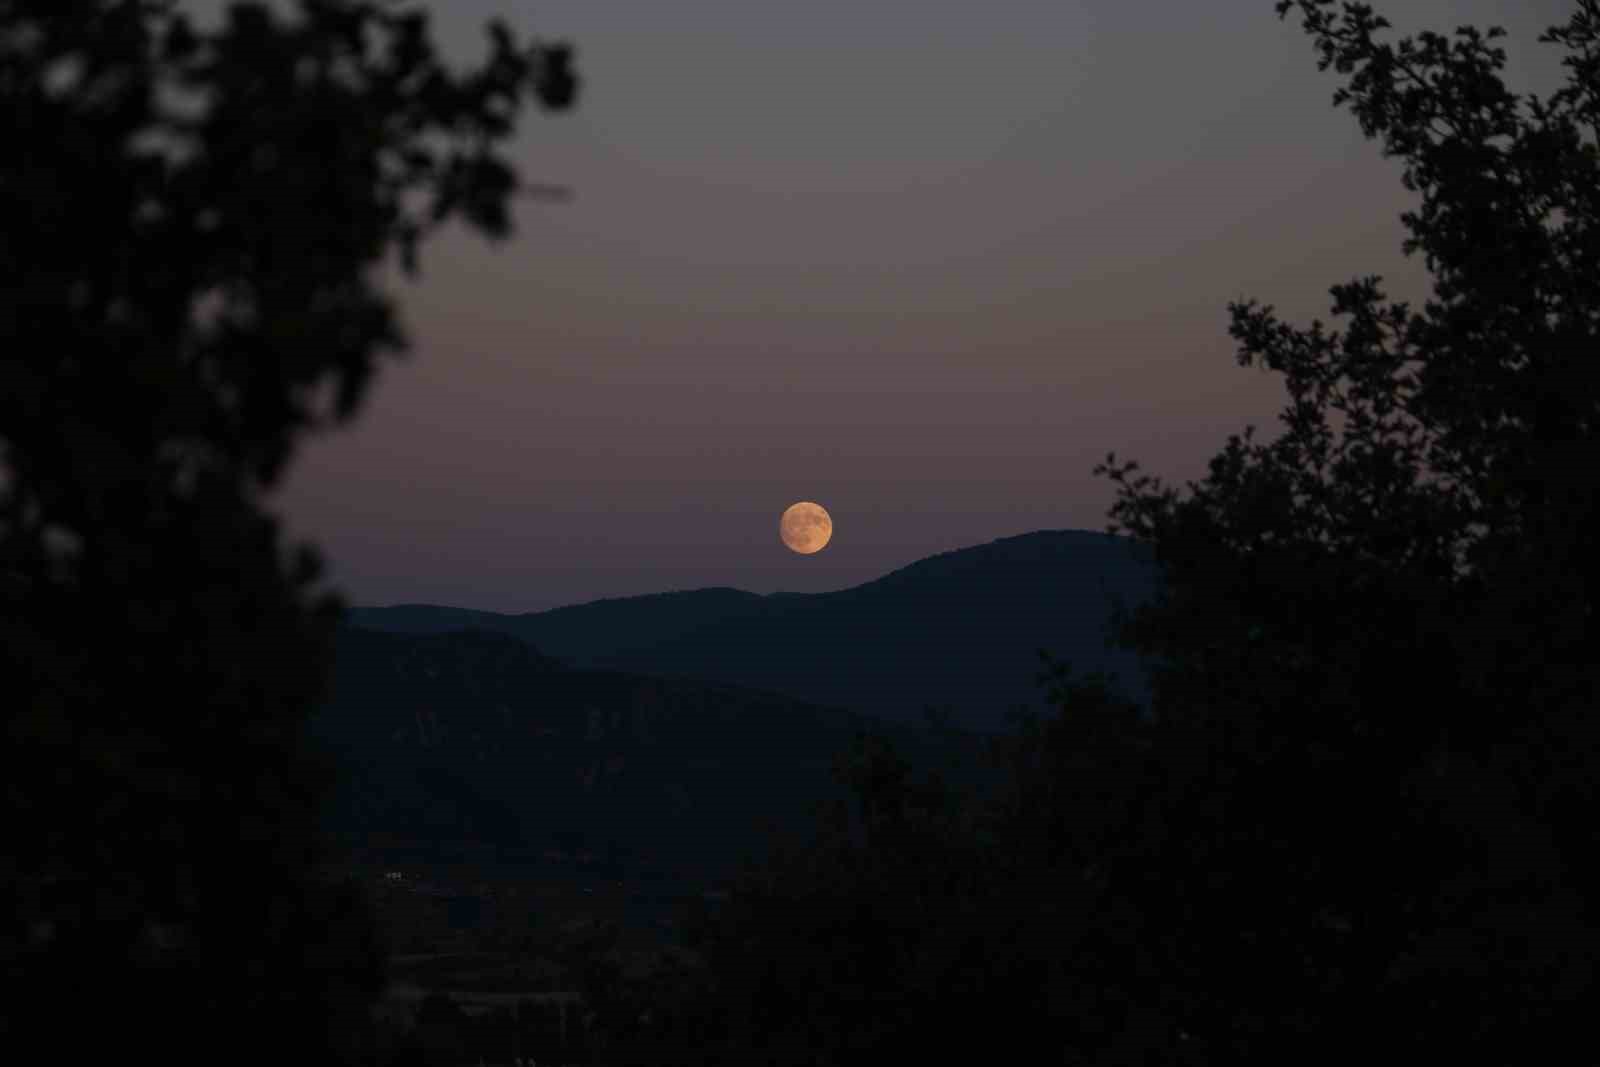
column 923, row 262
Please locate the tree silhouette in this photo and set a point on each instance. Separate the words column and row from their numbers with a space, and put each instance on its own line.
column 1377, row 631
column 863, row 942
column 189, row 231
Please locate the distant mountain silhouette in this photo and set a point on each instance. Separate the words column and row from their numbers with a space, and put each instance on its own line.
column 958, row 631
column 472, row 742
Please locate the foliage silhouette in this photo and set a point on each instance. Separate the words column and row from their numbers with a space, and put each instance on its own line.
column 1379, row 628
column 190, row 227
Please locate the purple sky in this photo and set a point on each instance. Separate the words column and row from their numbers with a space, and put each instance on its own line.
column 924, row 263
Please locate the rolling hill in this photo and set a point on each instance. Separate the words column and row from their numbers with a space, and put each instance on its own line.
column 957, row 631
column 471, row 744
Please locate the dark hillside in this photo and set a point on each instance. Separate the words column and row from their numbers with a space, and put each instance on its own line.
column 958, row 631
column 474, row 739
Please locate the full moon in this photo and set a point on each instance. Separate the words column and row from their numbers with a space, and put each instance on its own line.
column 805, row 527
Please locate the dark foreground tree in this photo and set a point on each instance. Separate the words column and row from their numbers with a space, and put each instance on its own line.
column 931, row 924
column 1359, row 818
column 873, row 940
column 1377, row 635
column 190, row 225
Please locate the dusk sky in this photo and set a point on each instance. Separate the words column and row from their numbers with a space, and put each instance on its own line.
column 923, row 263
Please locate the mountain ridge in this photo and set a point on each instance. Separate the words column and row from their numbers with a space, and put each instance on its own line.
column 958, row 630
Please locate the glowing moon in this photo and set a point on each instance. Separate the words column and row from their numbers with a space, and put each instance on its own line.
column 805, row 527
